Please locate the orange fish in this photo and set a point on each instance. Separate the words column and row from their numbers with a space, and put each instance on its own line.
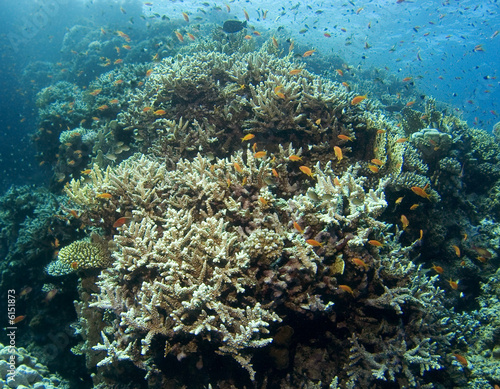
column 95, row 92
column 375, row 243
column 260, row 154
column 360, row 262
column 405, row 222
column 114, row 101
column 437, row 269
column 104, row 196
column 263, row 201
column 344, row 137
column 294, row 72
column 179, row 36
column 457, row 250
column 120, row 221
column 126, row 47
column 185, row 16
column 318, row 122
column 373, row 168
column 347, row 288
column 306, row 170
column 123, row 35
column 160, row 112
column 298, row 227
column 357, row 100
column 327, row 35
column 275, row 42
column 340, row 72
column 453, row 284
column 237, row 167
column 247, row 37
column 247, row 137
column 295, row 158
column 377, row 162
column 314, row 243
column 461, row 359
column 25, row 291
column 50, row 295
column 18, row 319
column 410, row 103
column 308, row 53
column 421, row 234
column 246, row 15
column 421, row 192
column 103, row 107
column 148, row 73
column 118, row 61
column 256, row 33
column 190, row 36
column 275, row 173
column 118, row 82
column 146, row 109
column 406, row 79
column 338, row 153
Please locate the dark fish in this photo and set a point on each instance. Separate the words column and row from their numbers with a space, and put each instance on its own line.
column 231, row 26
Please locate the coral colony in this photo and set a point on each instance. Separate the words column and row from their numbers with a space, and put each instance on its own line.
column 238, row 209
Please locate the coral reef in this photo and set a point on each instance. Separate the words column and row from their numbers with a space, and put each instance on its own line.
column 27, row 371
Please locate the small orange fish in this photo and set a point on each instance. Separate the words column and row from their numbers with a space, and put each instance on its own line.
column 457, row 250
column 339, row 72
column 327, row 35
column 74, row 214
column 336, row 182
column 318, row 122
column 314, row 243
column 293, row 72
column 49, row 296
column 185, row 16
column 254, row 147
column 256, row 33
column 104, row 196
column 298, row 227
column 263, row 201
column 25, row 291
column 357, row 100
column 146, row 109
column 103, row 107
column 95, row 92
column 406, row 79
column 74, row 265
column 118, row 61
column 179, row 36
column 381, row 132
column 338, row 153
column 421, row 192
column 377, row 162
column 148, row 73
column 114, row 101
column 247, row 137
column 120, row 221
column 191, row 36
column 127, row 47
column 344, row 137
column 401, row 140
column 373, row 168
column 347, row 288
column 306, row 170
column 461, row 359
column 246, row 15
column 399, row 200
column 421, row 234
column 295, row 158
column 237, row 167
column 247, row 37
column 118, row 82
column 414, row 206
column 124, row 36
column 160, row 112
column 308, row 53
column 437, row 269
column 260, row 154
column 275, row 42
column 453, row 284
column 18, row 319
column 275, row 173
column 405, row 222
column 375, row 243
column 360, row 262
column 410, row 103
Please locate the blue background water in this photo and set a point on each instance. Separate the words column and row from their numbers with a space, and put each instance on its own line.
column 431, row 41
